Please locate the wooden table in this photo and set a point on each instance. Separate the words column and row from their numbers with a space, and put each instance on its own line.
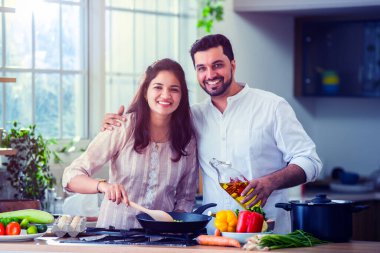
column 46, row 244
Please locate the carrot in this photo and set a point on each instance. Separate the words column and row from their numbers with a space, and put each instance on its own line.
column 217, row 232
column 213, row 240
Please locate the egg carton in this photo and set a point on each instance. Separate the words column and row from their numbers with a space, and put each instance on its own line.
column 67, row 224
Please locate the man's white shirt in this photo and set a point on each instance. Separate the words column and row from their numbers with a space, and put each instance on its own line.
column 259, row 134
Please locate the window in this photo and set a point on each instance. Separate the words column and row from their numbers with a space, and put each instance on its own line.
column 42, row 45
column 140, row 32
column 74, row 60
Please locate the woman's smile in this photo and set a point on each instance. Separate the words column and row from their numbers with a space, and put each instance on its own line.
column 164, row 93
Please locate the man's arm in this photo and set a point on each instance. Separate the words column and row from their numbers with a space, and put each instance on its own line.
column 298, row 150
column 291, row 175
column 113, row 119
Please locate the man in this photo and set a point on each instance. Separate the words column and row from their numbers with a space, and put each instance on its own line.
column 256, row 131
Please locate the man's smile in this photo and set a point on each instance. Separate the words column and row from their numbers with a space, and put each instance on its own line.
column 214, row 82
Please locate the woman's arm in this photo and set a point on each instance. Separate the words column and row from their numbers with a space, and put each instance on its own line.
column 105, row 146
column 101, row 149
column 83, row 184
column 87, row 185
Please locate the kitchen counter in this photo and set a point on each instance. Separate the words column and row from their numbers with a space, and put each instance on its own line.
column 48, row 244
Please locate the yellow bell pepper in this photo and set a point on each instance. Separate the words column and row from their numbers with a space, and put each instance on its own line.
column 225, row 221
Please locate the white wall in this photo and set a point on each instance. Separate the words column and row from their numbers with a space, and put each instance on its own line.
column 345, row 130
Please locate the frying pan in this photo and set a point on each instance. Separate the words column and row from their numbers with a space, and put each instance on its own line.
column 188, row 222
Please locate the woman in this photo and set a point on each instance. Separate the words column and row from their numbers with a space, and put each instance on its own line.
column 153, row 155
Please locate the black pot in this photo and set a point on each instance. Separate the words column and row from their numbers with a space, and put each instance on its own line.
column 329, row 220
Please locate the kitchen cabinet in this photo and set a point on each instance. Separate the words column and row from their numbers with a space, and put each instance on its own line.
column 366, row 224
column 303, row 6
column 337, row 56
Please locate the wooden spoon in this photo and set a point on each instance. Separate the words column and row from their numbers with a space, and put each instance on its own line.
column 157, row 215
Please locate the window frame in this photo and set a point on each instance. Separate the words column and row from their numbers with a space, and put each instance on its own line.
column 82, row 72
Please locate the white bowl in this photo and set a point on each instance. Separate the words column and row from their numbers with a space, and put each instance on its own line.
column 242, row 237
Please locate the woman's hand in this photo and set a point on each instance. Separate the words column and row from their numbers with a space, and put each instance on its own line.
column 113, row 119
column 114, row 192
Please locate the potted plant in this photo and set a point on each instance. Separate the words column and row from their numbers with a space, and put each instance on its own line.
column 28, row 171
column 211, row 11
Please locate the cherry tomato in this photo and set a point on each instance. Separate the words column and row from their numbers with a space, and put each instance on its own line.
column 13, row 228
column 2, row 229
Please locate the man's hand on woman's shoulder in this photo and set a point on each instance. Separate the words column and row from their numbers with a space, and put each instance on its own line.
column 112, row 119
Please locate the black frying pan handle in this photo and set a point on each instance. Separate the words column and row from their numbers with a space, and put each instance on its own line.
column 201, row 209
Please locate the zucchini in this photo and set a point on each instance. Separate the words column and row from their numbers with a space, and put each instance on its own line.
column 33, row 215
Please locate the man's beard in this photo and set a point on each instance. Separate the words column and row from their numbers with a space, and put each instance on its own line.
column 221, row 89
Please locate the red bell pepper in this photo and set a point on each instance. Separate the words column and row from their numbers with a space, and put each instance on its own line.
column 2, row 229
column 249, row 222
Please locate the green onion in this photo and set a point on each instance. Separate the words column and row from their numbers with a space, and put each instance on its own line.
column 297, row 238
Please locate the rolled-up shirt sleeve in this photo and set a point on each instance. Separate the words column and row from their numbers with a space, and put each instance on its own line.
column 297, row 147
column 102, row 148
column 188, row 184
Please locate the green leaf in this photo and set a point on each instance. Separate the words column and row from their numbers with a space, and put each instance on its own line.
column 219, row 13
column 209, row 24
column 200, row 23
column 206, row 11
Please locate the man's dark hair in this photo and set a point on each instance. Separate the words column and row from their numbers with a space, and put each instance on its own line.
column 210, row 41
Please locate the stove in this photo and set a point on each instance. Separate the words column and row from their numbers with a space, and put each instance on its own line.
column 134, row 237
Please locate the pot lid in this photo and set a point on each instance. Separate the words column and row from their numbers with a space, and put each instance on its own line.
column 321, row 199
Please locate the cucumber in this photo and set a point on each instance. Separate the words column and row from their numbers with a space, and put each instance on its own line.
column 41, row 228
column 33, row 215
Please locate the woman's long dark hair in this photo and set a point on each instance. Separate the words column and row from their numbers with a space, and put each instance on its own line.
column 181, row 127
